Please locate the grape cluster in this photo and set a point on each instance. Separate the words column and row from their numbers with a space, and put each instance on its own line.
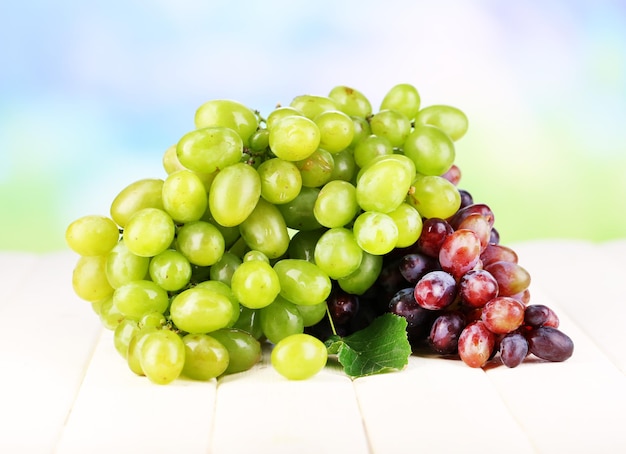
column 310, row 221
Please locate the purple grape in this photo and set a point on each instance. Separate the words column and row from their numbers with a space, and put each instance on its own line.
column 342, row 306
column 537, row 315
column 445, row 332
column 435, row 290
column 477, row 287
column 434, row 232
column 414, row 266
column 418, row 319
column 513, row 349
column 479, row 208
column 466, row 198
column 550, row 344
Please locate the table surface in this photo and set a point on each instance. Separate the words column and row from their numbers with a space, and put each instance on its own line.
column 65, row 389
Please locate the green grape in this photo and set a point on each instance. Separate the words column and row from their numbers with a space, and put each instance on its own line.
column 316, row 169
column 431, row 150
column 109, row 315
column 409, row 223
column 336, row 204
column 244, row 351
column 337, row 253
column 162, row 356
column 140, row 194
column 264, row 230
column 184, row 196
column 205, row 357
column 122, row 266
column 89, row 279
column 302, row 244
column 92, row 235
column 312, row 314
column 280, row 113
column 358, row 282
column 249, row 321
column 362, row 129
column 344, row 167
column 201, row 310
column 151, row 320
column 223, row 269
column 230, row 234
column 402, row 98
column 234, row 194
column 171, row 164
column 122, row 335
column 298, row 214
column 294, row 138
column 209, row 149
column 227, row 114
column 137, row 298
column 311, row 105
column 336, row 130
column 371, row 147
column 96, row 306
column 375, row 233
column 170, row 161
column 449, row 119
column 375, row 190
column 148, row 232
column 434, row 197
column 280, row 180
column 255, row 255
column 201, row 242
column 170, row 270
column 134, row 347
column 302, row 282
column 351, row 101
column 299, row 356
column 225, row 290
column 255, row 284
column 280, row 319
column 392, row 125
column 259, row 140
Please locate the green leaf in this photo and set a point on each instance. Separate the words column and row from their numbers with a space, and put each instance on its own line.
column 381, row 347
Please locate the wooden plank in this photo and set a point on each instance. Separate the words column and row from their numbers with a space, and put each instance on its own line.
column 119, row 412
column 586, row 280
column 260, row 411
column 436, row 406
column 575, row 406
column 46, row 340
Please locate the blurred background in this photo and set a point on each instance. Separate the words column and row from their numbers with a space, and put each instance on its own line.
column 92, row 93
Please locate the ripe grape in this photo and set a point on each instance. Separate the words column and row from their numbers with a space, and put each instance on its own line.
column 476, row 344
column 435, row 290
column 550, row 344
column 92, row 235
column 513, row 349
column 537, row 315
column 445, row 332
column 205, row 357
column 502, row 315
column 299, row 356
column 162, row 356
column 414, row 266
column 477, row 287
column 460, row 252
column 434, row 232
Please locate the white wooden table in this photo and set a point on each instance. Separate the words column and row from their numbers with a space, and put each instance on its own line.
column 64, row 388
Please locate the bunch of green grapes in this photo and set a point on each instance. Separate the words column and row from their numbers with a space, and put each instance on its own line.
column 256, row 221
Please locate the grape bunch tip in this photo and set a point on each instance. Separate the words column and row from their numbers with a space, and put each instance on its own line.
column 302, row 227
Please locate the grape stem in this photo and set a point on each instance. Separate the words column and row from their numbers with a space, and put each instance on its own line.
column 330, row 320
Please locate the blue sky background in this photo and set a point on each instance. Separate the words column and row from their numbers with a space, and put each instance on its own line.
column 92, row 93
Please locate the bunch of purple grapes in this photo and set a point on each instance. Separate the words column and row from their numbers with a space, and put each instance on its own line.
column 462, row 293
